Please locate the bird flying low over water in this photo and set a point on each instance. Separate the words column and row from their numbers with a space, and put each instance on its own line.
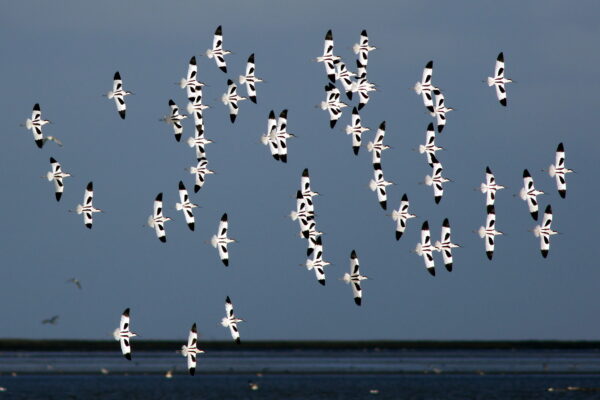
column 436, row 180
column 157, row 219
column 124, row 335
column 328, row 59
column 558, row 171
column 489, row 232
column 498, row 80
column 118, row 93
column 440, row 110
column 425, row 249
column 429, row 148
column 354, row 277
column 190, row 83
column 544, row 231
column 425, row 87
column 529, row 194
column 250, row 79
column 332, row 104
column 231, row 99
column 317, row 263
column 356, row 130
column 35, row 124
column 401, row 216
column 376, row 146
column 445, row 245
column 186, row 206
column 200, row 171
column 362, row 48
column 87, row 208
column 217, row 50
column 230, row 321
column 52, row 320
column 220, row 240
column 379, row 184
column 490, row 187
column 57, row 175
column 175, row 119
column 191, row 350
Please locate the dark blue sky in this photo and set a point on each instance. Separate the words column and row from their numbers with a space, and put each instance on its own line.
column 63, row 55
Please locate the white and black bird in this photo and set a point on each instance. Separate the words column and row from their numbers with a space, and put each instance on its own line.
column 157, row 219
column 498, row 80
column 425, row 88
column 379, row 184
column 544, row 231
column 282, row 135
column 313, row 235
column 190, row 83
column 332, row 104
column 306, row 190
column 75, row 282
column 558, row 171
column 376, row 146
column 328, row 58
column 317, row 263
column 118, row 93
column 302, row 214
column 429, row 148
column 490, row 187
column 270, row 137
column 57, row 175
column 199, row 141
column 230, row 321
column 362, row 48
column 87, row 208
column 175, row 119
column 221, row 240
column 529, row 194
column 217, row 50
column 191, row 350
column 425, row 249
column 231, row 99
column 123, row 334
column 445, row 245
column 401, row 216
column 196, row 107
column 489, row 232
column 250, row 79
column 354, row 277
column 436, row 180
column 200, row 171
column 356, row 130
column 343, row 75
column 440, row 110
column 362, row 86
column 35, row 124
column 186, row 206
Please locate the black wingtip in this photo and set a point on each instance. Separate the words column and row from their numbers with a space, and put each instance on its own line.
column 272, row 114
column 437, row 199
column 560, row 147
column 90, row 186
column 223, row 68
column 488, row 170
column 430, row 108
column 544, row 253
column 181, row 185
column 229, row 82
column 398, row 235
column 534, row 215
column 251, row 58
column 331, row 77
column 489, row 254
column 354, row 110
column 360, row 106
column 283, row 158
column 226, row 262
column 238, row 341
column 219, row 31
column 126, row 312
column 500, row 57
column 171, row 102
column 128, row 356
column 309, row 250
column 253, row 99
column 429, row 64
column 329, row 35
column 355, row 149
column 232, row 117
column 349, row 94
column 117, row 75
column 276, row 157
column 364, row 32
column 122, row 114
column 36, row 107
column 425, row 226
column 504, row 102
column 332, row 123
column 159, row 197
column 305, row 234
column 227, row 299
column 382, row 126
column 383, row 204
column 283, row 113
column 431, row 271
column 192, row 371
column 52, row 160
column 39, row 143
column 526, row 174
column 440, row 128
column 446, row 223
column 191, row 225
column 194, row 328
column 178, row 137
column 163, row 239
column 449, row 267
column 196, row 188
column 305, row 173
column 224, row 217
column 322, row 282
column 404, row 197
column 548, row 209
column 58, row 195
column 430, row 126
column 89, row 226
column 562, row 193
column 299, row 194
column 353, row 254
column 491, row 209
column 358, row 301
column 193, row 60
column 376, row 166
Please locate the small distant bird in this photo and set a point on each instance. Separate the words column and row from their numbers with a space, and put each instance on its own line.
column 317, row 263
column 191, row 350
column 362, row 48
column 52, row 320
column 499, row 80
column 429, row 148
column 489, row 232
column 87, row 208
column 302, row 214
column 445, row 245
column 354, row 277
column 281, row 135
column 529, row 194
column 270, row 138
column 231, row 99
column 332, row 104
column 230, row 321
column 217, row 50
column 190, row 82
column 175, row 119
column 440, row 110
column 362, row 85
column 118, row 93
column 57, row 175
column 195, row 107
column 200, row 171
column 328, row 58
column 425, row 249
column 75, row 281
column 343, row 75
column 436, row 180
column 123, row 334
column 35, row 125
column 186, row 206
column 377, row 146
column 425, row 87
column 356, row 130
column 307, row 192
column 313, row 235
column 220, row 240
column 157, row 219
column 250, row 79
column 401, row 216
column 544, row 231
column 558, row 171
column 490, row 187
column 199, row 142
column 379, row 184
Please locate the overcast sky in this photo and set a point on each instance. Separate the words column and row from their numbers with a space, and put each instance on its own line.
column 64, row 54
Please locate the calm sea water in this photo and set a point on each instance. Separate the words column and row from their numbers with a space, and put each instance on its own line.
column 303, row 374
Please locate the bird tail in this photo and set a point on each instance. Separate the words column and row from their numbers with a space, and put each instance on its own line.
column 294, row 215
column 209, row 53
column 346, row 278
column 418, row 249
column 551, row 170
column 190, row 107
column 110, row 95
column 264, row 139
column 536, row 230
column 310, row 264
column 191, row 142
column 417, row 88
column 372, row 185
column 150, row 221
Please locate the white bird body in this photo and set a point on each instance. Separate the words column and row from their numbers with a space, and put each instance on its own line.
column 157, row 219
column 498, row 80
column 362, row 48
column 175, row 119
column 57, row 175
column 445, row 245
column 118, row 94
column 230, row 321
column 317, row 263
column 87, row 208
column 376, row 146
column 312, row 234
column 306, row 190
column 195, row 107
column 328, row 59
column 280, row 136
column 424, row 87
column 362, row 86
column 186, row 206
column 332, row 104
column 123, row 334
column 436, row 180
column 221, row 240
column 343, row 75
column 200, row 171
column 429, row 148
column 191, row 350
column 440, row 110
column 356, row 130
column 190, row 82
column 231, row 98
column 199, row 141
column 217, row 50
column 529, row 194
column 35, row 125
column 544, row 231
column 490, row 187
column 425, row 249
column 489, row 232
column 558, row 171
column 354, row 278
column 379, row 184
column 270, row 137
column 250, row 79
column 401, row 216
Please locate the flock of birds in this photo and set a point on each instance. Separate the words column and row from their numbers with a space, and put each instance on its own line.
column 276, row 138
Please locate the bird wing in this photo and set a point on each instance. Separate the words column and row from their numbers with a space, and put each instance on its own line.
column 120, row 102
column 36, row 114
column 501, row 93
column 124, row 323
column 427, row 73
column 547, row 221
column 427, row 99
column 125, row 346
column 446, row 238
column 192, row 69
column 223, row 226
column 499, row 68
column 158, row 205
column 218, row 39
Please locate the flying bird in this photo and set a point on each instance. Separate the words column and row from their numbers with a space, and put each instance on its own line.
column 199, row 142
column 190, row 83
column 317, row 263
column 362, row 48
column 436, row 180
column 124, row 335
column 425, row 249
column 186, row 206
column 445, row 245
column 328, row 58
column 250, row 79
column 425, row 87
column 362, row 86
column 313, row 235
column 489, row 232
column 429, row 148
column 332, row 104
column 175, row 119
column 118, row 93
column 544, row 231
column 157, row 219
column 196, row 107
column 498, row 80
column 217, row 50
column 231, row 99
column 230, row 321
column 529, row 194
column 52, row 320
column 356, row 130
column 377, row 146
column 200, row 171
column 440, row 110
column 191, row 350
column 379, row 184
column 270, row 137
column 343, row 75
column 307, row 192
column 558, row 171
column 281, row 135
column 490, row 187
column 35, row 125
column 401, row 216
column 302, row 214
column 354, row 277
column 87, row 208
column 57, row 175
column 220, row 240
column 75, row 281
